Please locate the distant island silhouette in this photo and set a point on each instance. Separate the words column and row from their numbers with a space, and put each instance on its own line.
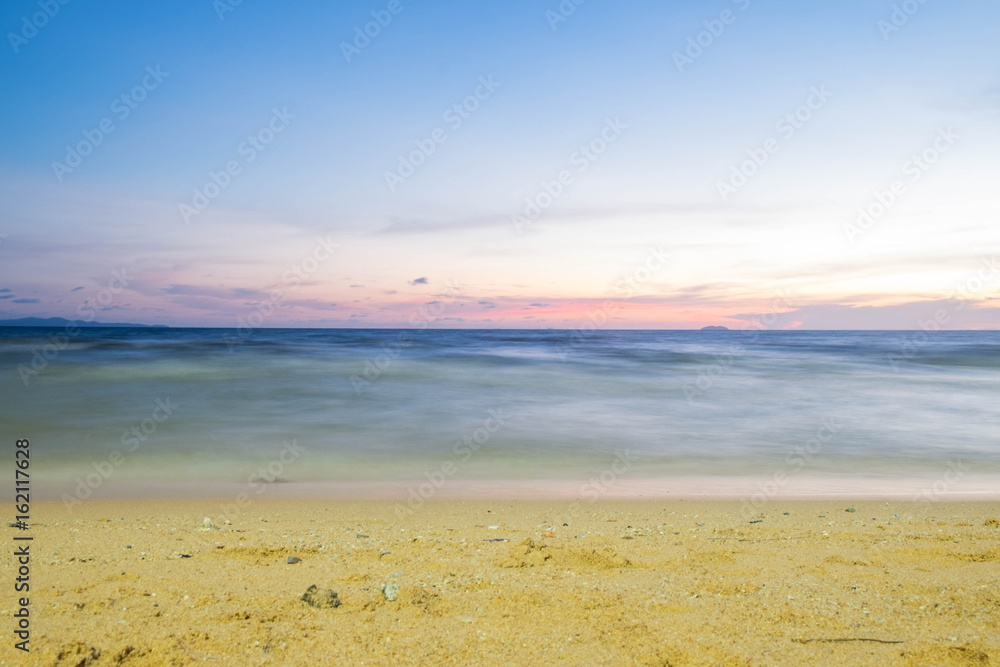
column 715, row 328
column 63, row 322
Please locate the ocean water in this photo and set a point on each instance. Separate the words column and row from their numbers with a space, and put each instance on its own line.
column 403, row 406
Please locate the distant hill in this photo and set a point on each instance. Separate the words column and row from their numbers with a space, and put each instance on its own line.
column 63, row 322
column 715, row 328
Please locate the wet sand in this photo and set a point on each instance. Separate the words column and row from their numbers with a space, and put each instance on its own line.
column 647, row 582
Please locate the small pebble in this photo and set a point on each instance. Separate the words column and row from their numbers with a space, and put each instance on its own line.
column 292, row 560
column 314, row 597
column 850, row 509
column 390, row 592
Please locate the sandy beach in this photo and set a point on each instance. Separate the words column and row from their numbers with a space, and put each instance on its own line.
column 651, row 582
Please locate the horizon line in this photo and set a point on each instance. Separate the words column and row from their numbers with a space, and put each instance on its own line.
column 100, row 325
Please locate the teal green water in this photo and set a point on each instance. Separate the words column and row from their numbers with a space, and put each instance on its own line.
column 384, row 405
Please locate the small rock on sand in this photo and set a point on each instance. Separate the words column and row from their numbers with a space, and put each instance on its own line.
column 292, row 560
column 390, row 592
column 325, row 599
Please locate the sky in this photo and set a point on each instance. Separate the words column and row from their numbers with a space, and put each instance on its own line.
column 502, row 164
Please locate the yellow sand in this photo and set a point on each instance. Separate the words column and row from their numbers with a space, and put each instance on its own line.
column 625, row 583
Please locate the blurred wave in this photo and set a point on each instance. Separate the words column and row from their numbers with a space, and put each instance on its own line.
column 392, row 404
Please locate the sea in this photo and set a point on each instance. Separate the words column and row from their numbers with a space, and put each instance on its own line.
column 586, row 413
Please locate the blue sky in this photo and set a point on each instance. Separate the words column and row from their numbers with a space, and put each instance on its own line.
column 786, row 233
